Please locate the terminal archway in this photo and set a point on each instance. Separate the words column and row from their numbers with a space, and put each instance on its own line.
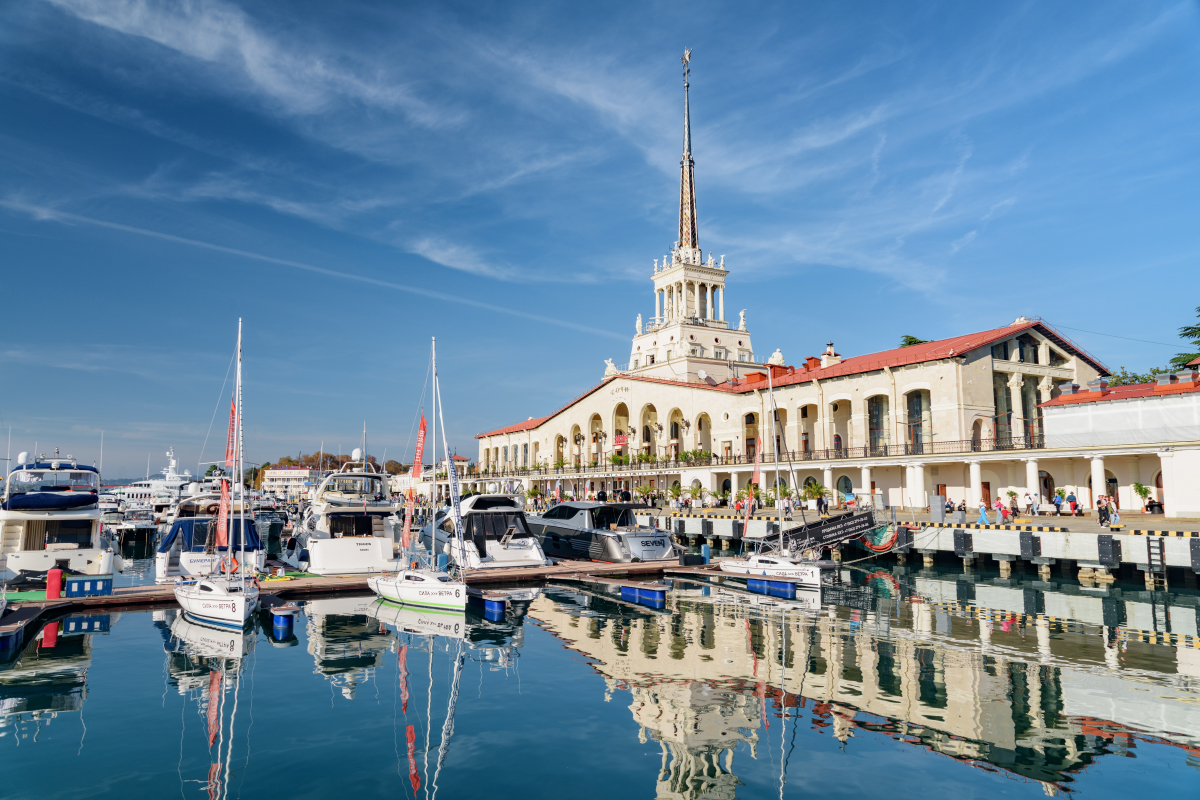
column 704, row 433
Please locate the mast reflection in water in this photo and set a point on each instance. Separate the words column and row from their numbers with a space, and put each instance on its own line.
column 920, row 686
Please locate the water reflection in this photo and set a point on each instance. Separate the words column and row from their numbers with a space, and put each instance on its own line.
column 48, row 676
column 1036, row 698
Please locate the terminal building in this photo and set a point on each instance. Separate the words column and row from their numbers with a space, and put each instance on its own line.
column 965, row 418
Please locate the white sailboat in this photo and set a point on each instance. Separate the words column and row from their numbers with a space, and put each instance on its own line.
column 228, row 599
column 417, row 583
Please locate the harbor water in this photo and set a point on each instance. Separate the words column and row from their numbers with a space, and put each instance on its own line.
column 871, row 688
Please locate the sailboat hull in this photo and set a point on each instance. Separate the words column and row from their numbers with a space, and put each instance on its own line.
column 420, row 588
column 217, row 604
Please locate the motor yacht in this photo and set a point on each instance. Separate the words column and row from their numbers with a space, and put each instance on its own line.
column 188, row 550
column 135, row 526
column 496, row 533
column 599, row 532
column 158, row 493
column 50, row 517
column 348, row 527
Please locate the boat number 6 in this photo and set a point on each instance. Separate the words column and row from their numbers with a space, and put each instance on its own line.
column 457, row 592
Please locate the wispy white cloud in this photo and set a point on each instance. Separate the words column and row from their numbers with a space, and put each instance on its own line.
column 295, row 75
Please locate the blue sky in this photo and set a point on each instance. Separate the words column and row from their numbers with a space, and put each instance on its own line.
column 352, row 179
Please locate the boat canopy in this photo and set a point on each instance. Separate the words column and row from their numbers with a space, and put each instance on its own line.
column 481, row 526
column 194, row 533
column 48, row 501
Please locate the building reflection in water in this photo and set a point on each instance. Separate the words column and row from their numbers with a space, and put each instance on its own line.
column 48, row 676
column 1036, row 699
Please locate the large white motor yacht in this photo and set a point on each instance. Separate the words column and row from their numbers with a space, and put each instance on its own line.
column 495, row 530
column 50, row 517
column 348, row 528
column 599, row 532
column 157, row 494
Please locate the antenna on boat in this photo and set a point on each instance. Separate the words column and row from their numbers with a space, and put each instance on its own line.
column 102, row 451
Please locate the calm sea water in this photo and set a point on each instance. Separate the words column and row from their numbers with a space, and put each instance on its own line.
column 893, row 686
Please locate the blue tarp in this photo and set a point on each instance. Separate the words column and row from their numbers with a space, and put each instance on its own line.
column 42, row 501
column 194, row 540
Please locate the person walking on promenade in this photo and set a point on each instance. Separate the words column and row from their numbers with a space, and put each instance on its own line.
column 1071, row 501
column 1058, row 499
column 1102, row 511
column 983, row 517
column 1114, row 515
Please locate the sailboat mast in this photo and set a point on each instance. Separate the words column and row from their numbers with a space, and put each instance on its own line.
column 239, row 460
column 452, row 487
column 433, row 449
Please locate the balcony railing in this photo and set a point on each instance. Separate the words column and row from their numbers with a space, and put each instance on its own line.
column 664, row 463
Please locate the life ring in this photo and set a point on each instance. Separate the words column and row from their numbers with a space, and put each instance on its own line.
column 414, row 565
column 229, row 565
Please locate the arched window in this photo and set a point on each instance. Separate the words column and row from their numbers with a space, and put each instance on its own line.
column 837, row 441
column 804, row 442
column 749, row 419
column 844, row 486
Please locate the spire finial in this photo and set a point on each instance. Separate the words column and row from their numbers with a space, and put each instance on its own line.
column 689, row 239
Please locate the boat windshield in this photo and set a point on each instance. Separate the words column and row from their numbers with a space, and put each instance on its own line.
column 604, row 516
column 355, row 484
column 140, row 515
column 52, row 480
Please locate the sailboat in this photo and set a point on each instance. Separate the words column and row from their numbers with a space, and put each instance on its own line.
column 225, row 599
column 417, row 583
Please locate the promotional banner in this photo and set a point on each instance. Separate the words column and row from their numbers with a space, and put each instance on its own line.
column 223, row 514
column 415, row 475
column 753, row 482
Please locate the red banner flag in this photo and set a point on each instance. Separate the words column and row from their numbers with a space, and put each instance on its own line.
column 414, row 475
column 413, row 775
column 214, row 706
column 750, row 489
column 223, row 514
column 404, row 677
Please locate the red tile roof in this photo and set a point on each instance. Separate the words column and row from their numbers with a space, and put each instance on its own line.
column 899, row 357
column 1195, row 362
column 1129, row 392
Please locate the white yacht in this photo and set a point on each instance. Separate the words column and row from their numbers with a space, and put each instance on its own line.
column 773, row 564
column 496, row 533
column 222, row 601
column 134, row 526
column 50, row 517
column 157, row 494
column 348, row 528
column 599, row 532
column 186, row 551
column 110, row 503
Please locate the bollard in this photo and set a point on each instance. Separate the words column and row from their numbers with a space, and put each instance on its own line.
column 54, row 580
column 705, row 553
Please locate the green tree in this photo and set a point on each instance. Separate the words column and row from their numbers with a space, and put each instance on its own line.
column 908, row 340
column 392, row 467
column 1192, row 334
column 1124, row 377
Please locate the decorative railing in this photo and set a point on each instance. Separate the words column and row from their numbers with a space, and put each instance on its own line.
column 663, row 464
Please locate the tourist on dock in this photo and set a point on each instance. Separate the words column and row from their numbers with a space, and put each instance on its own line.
column 1071, row 502
column 1058, row 499
column 1029, row 504
column 1013, row 507
column 983, row 517
column 962, row 506
column 1102, row 511
column 1001, row 511
column 1113, row 512
column 949, row 505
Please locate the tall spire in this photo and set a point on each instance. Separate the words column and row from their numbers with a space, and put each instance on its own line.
column 689, row 239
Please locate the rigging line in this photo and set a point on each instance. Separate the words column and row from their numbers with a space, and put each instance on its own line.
column 214, row 416
column 237, row 690
column 428, row 714
column 1113, row 335
column 253, row 664
column 182, row 728
column 420, row 408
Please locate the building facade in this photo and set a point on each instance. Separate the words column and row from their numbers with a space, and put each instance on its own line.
column 962, row 418
column 291, row 483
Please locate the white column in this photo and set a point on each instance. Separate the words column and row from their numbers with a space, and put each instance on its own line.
column 827, row 479
column 658, row 303
column 722, row 309
column 866, row 481
column 1031, row 479
column 733, row 486
column 976, row 483
column 1099, row 486
column 1016, row 403
column 917, row 487
column 708, row 305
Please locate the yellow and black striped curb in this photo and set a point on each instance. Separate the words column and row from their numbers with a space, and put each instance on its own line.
column 964, row 526
column 1158, row 637
column 1187, row 534
column 1063, row 624
column 730, row 516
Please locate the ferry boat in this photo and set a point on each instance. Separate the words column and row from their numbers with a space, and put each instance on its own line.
column 599, row 532
column 347, row 529
column 184, row 552
column 50, row 517
column 496, row 531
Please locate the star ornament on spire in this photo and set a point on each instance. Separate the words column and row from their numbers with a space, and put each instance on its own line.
column 687, row 58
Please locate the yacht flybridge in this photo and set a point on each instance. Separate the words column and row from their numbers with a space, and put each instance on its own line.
column 347, row 529
column 50, row 517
